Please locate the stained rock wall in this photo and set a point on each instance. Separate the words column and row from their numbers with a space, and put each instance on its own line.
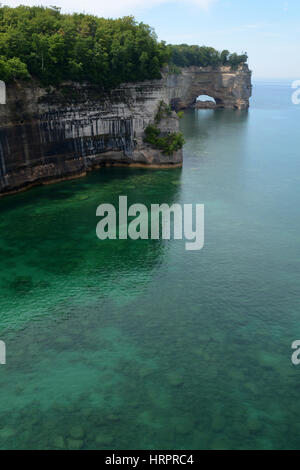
column 54, row 134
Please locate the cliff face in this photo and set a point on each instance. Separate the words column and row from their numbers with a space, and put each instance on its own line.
column 230, row 88
column 51, row 135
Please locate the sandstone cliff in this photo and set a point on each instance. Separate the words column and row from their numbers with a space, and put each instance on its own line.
column 50, row 135
column 230, row 88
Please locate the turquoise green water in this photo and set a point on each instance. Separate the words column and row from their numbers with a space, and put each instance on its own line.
column 141, row 344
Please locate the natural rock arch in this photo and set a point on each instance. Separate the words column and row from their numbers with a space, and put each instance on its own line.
column 230, row 88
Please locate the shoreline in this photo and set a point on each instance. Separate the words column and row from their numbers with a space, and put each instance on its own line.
column 166, row 166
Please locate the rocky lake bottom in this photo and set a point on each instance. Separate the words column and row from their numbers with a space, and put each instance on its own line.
column 140, row 344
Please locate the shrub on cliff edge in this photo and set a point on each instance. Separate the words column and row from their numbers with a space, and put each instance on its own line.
column 167, row 144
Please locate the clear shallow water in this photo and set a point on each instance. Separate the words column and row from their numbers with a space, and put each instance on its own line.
column 133, row 345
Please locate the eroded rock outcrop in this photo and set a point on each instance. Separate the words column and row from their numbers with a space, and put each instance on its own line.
column 230, row 88
column 48, row 135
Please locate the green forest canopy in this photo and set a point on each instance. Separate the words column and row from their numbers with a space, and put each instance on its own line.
column 43, row 43
column 184, row 55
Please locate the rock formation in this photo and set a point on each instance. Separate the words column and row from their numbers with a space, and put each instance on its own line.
column 230, row 88
column 48, row 135
column 205, row 105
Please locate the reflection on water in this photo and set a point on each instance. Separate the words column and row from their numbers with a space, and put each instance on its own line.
column 131, row 345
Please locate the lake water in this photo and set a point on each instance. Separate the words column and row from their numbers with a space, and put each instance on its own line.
column 141, row 344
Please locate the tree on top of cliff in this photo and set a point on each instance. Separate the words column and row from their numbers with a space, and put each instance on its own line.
column 53, row 47
column 184, row 55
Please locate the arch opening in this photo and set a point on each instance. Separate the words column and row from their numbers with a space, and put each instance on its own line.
column 205, row 102
column 204, row 98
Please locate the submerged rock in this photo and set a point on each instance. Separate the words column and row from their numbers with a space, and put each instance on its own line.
column 183, row 425
column 59, row 443
column 254, row 425
column 104, row 440
column 6, row 433
column 75, row 444
column 175, row 379
column 76, row 432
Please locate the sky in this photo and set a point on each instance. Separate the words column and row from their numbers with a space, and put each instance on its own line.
column 268, row 30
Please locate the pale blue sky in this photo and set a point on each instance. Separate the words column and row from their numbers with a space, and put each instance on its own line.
column 269, row 30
